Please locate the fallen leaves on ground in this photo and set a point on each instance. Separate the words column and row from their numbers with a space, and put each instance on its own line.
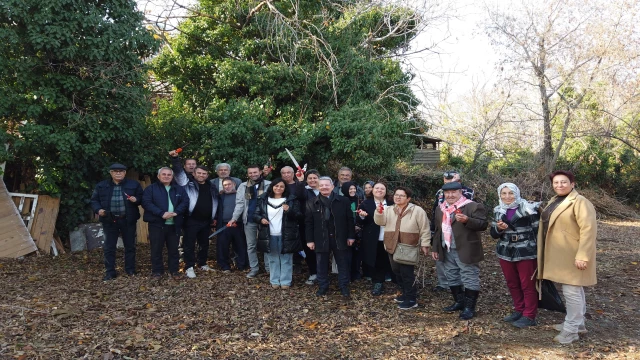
column 58, row 308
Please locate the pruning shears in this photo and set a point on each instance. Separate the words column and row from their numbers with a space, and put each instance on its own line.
column 179, row 150
column 219, row 231
column 295, row 162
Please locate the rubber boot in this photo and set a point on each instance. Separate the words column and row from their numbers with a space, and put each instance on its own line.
column 458, row 298
column 470, row 300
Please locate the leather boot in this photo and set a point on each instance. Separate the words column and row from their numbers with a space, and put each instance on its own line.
column 458, row 298
column 470, row 300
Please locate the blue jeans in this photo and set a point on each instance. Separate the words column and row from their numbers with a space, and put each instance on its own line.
column 280, row 265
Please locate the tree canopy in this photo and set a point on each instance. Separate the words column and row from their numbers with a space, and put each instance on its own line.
column 73, row 95
column 316, row 77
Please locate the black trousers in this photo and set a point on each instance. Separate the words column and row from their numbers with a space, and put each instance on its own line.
column 196, row 231
column 382, row 266
column 159, row 236
column 405, row 277
column 111, row 231
column 342, row 259
column 310, row 255
column 232, row 236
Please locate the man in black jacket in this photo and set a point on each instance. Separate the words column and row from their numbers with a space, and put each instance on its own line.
column 164, row 204
column 189, row 164
column 116, row 202
column 330, row 228
column 203, row 205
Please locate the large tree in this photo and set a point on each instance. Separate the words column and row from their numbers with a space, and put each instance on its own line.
column 318, row 77
column 72, row 92
column 563, row 53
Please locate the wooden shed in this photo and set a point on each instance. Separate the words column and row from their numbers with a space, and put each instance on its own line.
column 427, row 151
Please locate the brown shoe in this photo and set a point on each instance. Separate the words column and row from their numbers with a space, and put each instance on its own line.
column 285, row 287
column 275, row 286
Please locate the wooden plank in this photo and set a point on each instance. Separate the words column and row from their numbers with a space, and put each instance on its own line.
column 59, row 244
column 15, row 239
column 44, row 224
column 142, row 228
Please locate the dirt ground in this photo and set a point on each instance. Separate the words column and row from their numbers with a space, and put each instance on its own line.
column 58, row 308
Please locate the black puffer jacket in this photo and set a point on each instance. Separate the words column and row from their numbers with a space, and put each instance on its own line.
column 290, row 240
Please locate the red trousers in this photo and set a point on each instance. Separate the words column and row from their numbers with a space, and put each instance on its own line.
column 522, row 288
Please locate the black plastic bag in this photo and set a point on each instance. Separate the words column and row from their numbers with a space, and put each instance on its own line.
column 549, row 298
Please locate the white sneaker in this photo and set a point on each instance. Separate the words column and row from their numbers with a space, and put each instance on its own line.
column 312, row 279
column 581, row 329
column 205, row 268
column 190, row 273
column 566, row 337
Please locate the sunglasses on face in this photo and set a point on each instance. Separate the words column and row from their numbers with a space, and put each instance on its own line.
column 449, row 175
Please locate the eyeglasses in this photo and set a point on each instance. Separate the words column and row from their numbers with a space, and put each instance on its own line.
column 449, row 175
column 399, row 195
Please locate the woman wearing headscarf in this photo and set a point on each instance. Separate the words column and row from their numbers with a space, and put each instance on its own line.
column 567, row 250
column 516, row 228
column 349, row 189
column 374, row 255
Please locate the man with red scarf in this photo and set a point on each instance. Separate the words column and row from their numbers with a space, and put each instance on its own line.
column 457, row 242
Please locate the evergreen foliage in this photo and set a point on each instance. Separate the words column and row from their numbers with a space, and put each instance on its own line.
column 72, row 94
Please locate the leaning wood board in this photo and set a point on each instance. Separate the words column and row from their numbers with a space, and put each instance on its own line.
column 44, row 223
column 15, row 240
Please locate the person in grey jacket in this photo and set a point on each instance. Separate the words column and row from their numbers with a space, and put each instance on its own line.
column 224, row 172
column 246, row 201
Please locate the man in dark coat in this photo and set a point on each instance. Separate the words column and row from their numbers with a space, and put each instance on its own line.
column 165, row 204
column 189, row 164
column 330, row 228
column 203, row 205
column 224, row 172
column 458, row 244
column 447, row 177
column 116, row 201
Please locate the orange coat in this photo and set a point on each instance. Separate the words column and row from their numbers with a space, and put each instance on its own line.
column 571, row 236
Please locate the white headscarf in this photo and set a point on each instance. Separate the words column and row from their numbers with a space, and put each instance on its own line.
column 527, row 207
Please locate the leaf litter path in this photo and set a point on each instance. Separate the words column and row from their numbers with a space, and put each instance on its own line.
column 58, row 308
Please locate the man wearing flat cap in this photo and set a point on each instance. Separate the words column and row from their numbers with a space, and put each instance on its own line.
column 447, row 177
column 116, row 202
column 458, row 244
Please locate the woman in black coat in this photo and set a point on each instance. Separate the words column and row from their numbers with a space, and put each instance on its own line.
column 277, row 215
column 373, row 252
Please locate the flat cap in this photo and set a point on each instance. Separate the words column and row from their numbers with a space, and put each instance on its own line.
column 117, row 167
column 454, row 185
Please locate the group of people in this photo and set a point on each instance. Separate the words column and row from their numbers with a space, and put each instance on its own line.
column 313, row 215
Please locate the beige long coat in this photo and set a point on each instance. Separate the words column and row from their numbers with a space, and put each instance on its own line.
column 571, row 236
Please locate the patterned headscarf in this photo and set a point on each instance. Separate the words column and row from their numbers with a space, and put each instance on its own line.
column 529, row 208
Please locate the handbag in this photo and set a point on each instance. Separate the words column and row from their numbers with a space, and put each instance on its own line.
column 549, row 298
column 406, row 254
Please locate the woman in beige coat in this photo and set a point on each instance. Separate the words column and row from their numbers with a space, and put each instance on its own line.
column 567, row 250
column 404, row 223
